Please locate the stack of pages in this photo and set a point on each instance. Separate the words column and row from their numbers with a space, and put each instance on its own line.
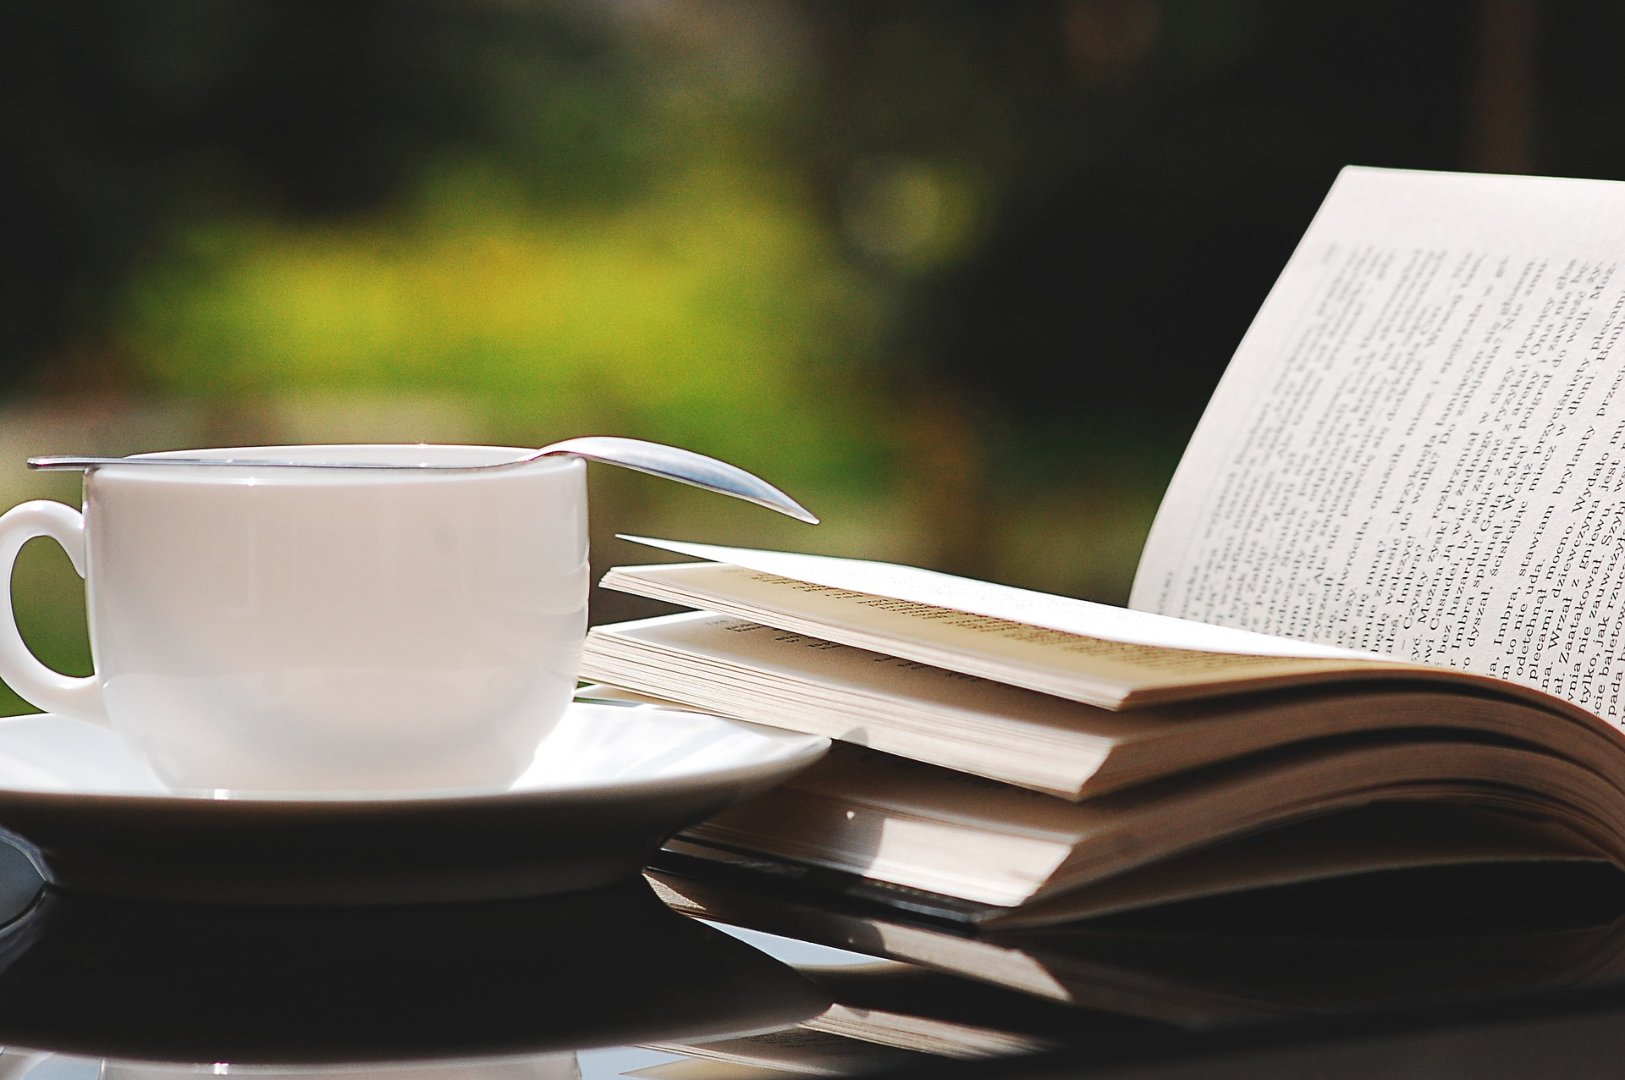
column 996, row 803
column 1390, row 572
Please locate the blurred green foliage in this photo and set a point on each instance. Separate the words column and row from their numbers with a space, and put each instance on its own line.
column 709, row 311
column 960, row 275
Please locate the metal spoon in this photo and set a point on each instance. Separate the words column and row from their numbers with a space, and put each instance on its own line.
column 654, row 458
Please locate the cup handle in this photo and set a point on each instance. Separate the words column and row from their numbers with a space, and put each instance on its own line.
column 64, row 695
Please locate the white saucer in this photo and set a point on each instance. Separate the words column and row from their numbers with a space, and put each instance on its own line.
column 609, row 784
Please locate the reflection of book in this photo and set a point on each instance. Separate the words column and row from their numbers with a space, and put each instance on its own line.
column 891, row 1012
column 1391, row 568
column 699, row 1068
column 1413, row 940
column 790, row 1051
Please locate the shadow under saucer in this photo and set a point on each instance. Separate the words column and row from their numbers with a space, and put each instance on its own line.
column 209, row 984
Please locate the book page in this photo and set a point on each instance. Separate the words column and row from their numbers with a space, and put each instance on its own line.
column 888, row 586
column 1419, row 447
column 1098, row 670
column 913, row 825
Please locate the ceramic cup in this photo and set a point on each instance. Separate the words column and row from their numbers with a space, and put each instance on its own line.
column 321, row 630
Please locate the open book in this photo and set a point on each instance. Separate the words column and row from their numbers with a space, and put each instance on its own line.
column 1390, row 570
column 954, row 781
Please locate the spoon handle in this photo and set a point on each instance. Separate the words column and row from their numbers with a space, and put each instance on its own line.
column 657, row 459
column 685, row 466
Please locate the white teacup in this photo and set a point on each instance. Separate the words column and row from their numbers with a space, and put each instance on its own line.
column 305, row 630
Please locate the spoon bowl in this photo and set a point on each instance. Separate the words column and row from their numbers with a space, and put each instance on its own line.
column 657, row 459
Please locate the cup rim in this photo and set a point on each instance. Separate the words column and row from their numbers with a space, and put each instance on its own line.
column 450, row 455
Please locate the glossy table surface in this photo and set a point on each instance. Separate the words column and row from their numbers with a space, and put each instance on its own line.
column 1468, row 974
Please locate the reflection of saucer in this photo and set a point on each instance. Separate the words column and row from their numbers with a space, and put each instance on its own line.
column 424, row 982
column 608, row 785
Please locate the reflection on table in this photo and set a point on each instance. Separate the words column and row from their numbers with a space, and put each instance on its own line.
column 512, row 988
column 1367, row 951
column 771, row 982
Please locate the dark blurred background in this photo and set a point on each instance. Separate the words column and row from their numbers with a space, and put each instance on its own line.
column 960, row 276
